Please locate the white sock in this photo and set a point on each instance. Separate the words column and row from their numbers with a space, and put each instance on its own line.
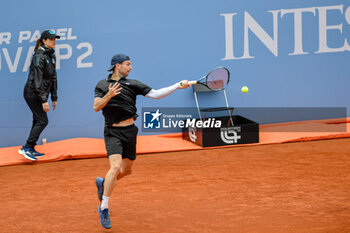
column 104, row 204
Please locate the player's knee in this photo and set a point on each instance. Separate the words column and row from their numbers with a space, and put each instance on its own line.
column 126, row 172
column 115, row 169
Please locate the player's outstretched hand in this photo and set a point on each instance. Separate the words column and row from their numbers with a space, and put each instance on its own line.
column 184, row 84
column 114, row 90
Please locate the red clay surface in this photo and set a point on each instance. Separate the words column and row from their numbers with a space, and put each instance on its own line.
column 291, row 187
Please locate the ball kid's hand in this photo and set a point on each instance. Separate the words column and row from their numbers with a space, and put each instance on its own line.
column 46, row 106
column 54, row 105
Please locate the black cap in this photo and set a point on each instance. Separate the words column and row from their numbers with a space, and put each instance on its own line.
column 118, row 58
column 49, row 34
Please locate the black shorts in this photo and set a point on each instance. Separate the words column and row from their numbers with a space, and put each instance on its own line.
column 121, row 140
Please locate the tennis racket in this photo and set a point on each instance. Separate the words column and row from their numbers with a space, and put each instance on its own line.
column 216, row 79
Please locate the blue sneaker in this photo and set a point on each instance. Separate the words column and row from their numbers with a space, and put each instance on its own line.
column 27, row 153
column 36, row 153
column 100, row 187
column 104, row 217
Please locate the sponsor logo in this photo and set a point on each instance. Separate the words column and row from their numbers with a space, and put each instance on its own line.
column 230, row 135
column 170, row 121
column 240, row 26
column 151, row 120
column 192, row 134
column 17, row 47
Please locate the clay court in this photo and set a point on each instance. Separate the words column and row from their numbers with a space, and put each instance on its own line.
column 289, row 187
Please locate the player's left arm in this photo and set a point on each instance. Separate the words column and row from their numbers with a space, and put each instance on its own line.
column 163, row 92
column 101, row 102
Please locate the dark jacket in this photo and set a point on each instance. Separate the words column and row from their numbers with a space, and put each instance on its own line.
column 42, row 77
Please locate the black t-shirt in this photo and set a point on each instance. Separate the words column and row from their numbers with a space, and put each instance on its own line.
column 123, row 105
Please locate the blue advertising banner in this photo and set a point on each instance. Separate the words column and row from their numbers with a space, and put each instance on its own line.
column 288, row 53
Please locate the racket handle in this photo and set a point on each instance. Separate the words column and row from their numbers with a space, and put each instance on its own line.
column 189, row 82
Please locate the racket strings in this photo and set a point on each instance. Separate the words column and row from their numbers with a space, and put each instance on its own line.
column 218, row 79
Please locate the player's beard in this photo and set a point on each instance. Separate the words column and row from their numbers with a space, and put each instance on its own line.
column 125, row 74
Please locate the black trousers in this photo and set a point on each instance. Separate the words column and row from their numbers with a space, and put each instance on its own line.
column 40, row 121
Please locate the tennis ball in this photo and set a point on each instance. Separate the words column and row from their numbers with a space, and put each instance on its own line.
column 245, row 89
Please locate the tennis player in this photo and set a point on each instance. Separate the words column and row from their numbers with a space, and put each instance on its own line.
column 116, row 96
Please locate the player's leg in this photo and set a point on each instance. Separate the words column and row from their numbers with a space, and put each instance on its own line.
column 114, row 152
column 126, row 168
column 114, row 149
column 115, row 162
column 129, row 150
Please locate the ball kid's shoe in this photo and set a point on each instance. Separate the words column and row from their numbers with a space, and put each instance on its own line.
column 36, row 153
column 27, row 153
column 100, row 188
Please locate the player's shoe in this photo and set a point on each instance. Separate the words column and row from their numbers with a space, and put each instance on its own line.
column 104, row 217
column 36, row 153
column 27, row 153
column 100, row 187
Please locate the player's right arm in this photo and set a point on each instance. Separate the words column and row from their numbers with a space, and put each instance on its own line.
column 163, row 92
column 99, row 102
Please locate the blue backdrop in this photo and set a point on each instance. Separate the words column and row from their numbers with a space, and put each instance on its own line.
column 289, row 54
